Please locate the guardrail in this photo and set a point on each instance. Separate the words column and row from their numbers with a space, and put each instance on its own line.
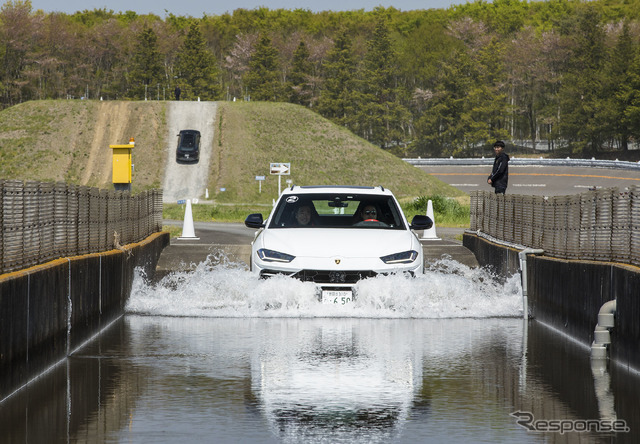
column 601, row 225
column 42, row 221
column 616, row 164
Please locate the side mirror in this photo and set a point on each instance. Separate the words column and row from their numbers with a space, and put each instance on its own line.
column 254, row 221
column 420, row 222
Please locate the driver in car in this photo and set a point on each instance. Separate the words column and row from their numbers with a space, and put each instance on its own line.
column 369, row 214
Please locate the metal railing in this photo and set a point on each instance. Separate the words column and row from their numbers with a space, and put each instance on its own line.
column 42, row 221
column 527, row 161
column 601, row 225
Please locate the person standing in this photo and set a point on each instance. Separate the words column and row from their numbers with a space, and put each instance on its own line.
column 177, row 92
column 499, row 176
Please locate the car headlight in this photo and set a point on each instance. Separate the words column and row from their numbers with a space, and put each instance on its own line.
column 274, row 256
column 405, row 257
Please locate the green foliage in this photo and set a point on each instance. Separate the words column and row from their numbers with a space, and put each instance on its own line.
column 580, row 98
column 434, row 82
column 441, row 127
column 300, row 88
column 263, row 79
column 337, row 98
column 619, row 91
column 383, row 117
column 147, row 70
column 197, row 69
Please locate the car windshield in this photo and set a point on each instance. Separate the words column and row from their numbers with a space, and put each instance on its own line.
column 325, row 210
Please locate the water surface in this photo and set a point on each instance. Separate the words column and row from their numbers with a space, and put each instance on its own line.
column 218, row 356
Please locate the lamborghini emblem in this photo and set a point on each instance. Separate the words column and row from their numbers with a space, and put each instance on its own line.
column 337, row 261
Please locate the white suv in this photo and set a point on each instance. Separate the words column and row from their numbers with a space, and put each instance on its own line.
column 335, row 236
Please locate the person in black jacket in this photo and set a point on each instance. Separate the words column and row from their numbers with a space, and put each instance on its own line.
column 499, row 176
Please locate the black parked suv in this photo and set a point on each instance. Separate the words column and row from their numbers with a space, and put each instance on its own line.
column 188, row 146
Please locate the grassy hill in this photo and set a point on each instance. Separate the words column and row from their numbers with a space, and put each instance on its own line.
column 68, row 140
column 253, row 135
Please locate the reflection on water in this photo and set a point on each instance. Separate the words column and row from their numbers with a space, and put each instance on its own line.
column 299, row 373
column 165, row 379
column 337, row 380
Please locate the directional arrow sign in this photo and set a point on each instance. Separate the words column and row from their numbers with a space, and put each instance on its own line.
column 281, row 169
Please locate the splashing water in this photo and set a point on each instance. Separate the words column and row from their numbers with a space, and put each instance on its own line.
column 220, row 288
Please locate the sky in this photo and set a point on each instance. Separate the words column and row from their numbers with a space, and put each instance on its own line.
column 197, row 8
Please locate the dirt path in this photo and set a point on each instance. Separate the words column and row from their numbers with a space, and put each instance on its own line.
column 109, row 129
column 188, row 181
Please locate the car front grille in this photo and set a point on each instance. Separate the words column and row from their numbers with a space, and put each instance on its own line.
column 333, row 277
column 328, row 276
column 324, row 276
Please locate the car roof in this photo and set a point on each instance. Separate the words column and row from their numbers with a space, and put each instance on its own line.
column 315, row 189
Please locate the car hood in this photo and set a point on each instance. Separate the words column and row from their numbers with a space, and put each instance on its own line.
column 329, row 243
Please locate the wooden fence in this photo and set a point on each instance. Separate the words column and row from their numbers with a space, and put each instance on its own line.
column 41, row 221
column 601, row 225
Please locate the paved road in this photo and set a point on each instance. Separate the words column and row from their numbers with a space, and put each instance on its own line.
column 536, row 180
column 183, row 181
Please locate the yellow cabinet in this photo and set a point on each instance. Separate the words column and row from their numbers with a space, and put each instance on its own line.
column 122, row 166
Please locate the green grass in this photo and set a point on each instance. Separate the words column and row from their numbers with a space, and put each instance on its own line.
column 174, row 230
column 447, row 212
column 215, row 212
column 21, row 126
column 255, row 134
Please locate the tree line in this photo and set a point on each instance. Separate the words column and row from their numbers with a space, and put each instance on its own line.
column 558, row 75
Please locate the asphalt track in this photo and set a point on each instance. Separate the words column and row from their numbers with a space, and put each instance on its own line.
column 536, row 180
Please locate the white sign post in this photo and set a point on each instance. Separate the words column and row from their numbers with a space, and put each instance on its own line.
column 280, row 169
column 260, row 179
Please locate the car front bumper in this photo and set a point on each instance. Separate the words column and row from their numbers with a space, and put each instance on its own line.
column 336, row 279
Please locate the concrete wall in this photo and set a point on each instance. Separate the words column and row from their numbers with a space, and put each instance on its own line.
column 48, row 311
column 568, row 294
column 501, row 260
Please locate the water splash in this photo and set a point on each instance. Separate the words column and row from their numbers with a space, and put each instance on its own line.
column 220, row 288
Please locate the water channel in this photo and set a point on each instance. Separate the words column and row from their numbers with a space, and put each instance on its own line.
column 217, row 356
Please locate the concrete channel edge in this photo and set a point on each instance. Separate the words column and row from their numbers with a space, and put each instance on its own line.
column 48, row 311
column 567, row 295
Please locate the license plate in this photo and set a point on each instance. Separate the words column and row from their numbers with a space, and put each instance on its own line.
column 337, row 297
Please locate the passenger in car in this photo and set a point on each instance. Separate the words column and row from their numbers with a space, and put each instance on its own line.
column 303, row 216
